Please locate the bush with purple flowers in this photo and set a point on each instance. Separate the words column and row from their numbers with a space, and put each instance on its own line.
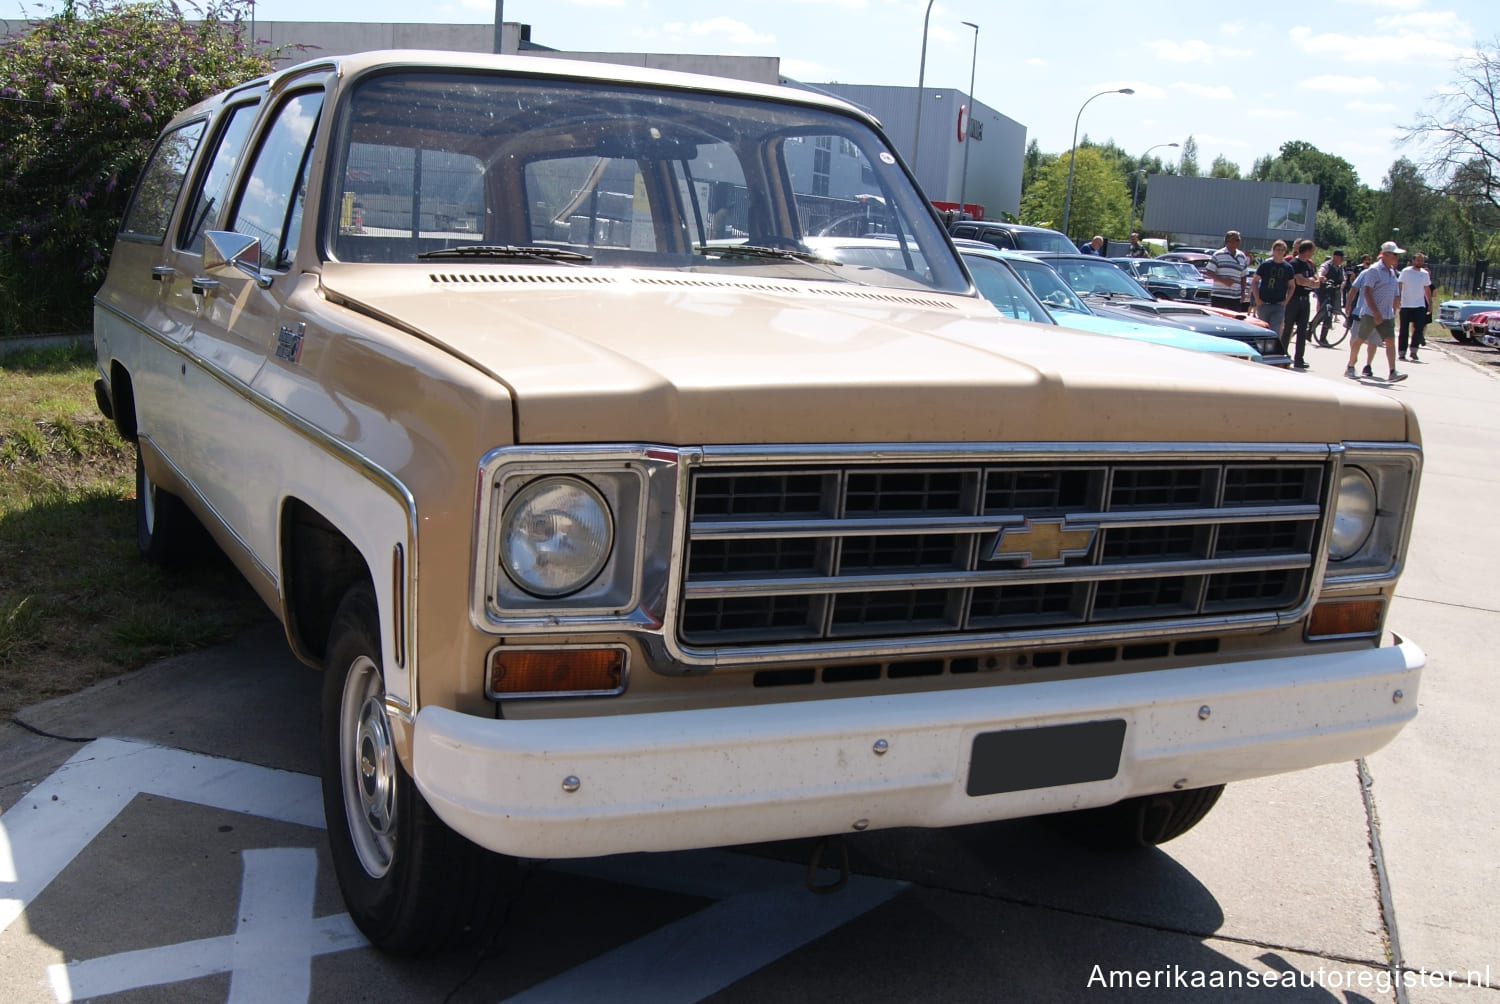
column 83, row 96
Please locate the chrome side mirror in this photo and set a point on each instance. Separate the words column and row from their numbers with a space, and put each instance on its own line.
column 225, row 249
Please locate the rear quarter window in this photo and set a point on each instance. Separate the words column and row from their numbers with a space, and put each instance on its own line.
column 161, row 182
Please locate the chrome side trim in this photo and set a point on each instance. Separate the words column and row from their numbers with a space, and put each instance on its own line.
column 340, row 451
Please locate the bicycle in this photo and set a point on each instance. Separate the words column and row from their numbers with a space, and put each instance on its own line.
column 1330, row 315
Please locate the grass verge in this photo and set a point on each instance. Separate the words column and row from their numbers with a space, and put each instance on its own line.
column 77, row 603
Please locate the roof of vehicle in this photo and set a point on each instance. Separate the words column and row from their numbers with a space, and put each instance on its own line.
column 359, row 63
column 1002, row 225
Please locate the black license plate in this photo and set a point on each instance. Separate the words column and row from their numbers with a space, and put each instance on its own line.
column 1022, row 759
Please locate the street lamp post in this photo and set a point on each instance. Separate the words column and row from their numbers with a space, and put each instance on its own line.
column 963, row 182
column 1140, row 171
column 1073, row 151
column 916, row 138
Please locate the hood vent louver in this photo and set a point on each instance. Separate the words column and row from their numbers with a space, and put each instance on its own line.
column 856, row 294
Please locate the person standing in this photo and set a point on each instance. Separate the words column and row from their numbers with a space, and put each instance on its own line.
column 1137, row 249
column 1270, row 285
column 1095, row 246
column 1378, row 288
column 1330, row 292
column 1299, row 304
column 1351, row 309
column 1226, row 270
column 1416, row 304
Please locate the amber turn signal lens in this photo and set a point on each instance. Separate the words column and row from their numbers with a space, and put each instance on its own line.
column 1345, row 619
column 556, row 671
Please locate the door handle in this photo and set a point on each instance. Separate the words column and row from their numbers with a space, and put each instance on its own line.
column 203, row 284
column 161, row 272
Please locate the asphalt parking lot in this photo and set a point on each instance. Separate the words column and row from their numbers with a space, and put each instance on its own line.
column 161, row 841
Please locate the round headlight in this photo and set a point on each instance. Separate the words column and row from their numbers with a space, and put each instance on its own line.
column 1354, row 517
column 555, row 537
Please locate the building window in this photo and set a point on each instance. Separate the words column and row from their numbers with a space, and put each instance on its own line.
column 822, row 164
column 1288, row 214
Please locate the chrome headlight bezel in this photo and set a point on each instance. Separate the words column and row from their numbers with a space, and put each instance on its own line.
column 1394, row 471
column 638, row 487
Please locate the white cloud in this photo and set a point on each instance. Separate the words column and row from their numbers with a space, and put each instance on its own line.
column 726, row 29
column 1270, row 113
column 1036, row 61
column 1428, row 22
column 1333, row 82
column 1367, row 106
column 843, row 4
column 1191, row 51
column 1206, row 141
column 1213, row 92
column 1374, row 49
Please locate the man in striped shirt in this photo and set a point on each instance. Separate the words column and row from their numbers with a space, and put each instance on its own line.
column 1226, row 270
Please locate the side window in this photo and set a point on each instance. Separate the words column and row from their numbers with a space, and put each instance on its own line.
column 161, row 182
column 271, row 200
column 208, row 199
column 999, row 286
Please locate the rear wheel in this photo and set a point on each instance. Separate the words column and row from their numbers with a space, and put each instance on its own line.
column 164, row 527
column 1144, row 821
column 411, row 884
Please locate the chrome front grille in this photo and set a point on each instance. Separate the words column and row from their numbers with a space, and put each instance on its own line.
column 859, row 553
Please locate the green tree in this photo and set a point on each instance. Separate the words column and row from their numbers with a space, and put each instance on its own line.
column 1223, row 167
column 1331, row 230
column 1101, row 202
column 83, row 95
column 1188, row 162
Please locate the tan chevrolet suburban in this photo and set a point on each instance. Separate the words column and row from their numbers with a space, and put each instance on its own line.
column 619, row 518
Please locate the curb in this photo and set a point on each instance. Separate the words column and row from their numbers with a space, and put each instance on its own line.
column 25, row 343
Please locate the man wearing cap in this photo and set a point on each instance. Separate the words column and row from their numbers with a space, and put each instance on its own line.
column 1416, row 304
column 1377, row 290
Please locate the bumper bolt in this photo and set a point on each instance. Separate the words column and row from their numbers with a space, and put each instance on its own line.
column 1179, row 784
column 861, row 824
column 1204, row 712
column 571, row 783
column 881, row 746
column 1398, row 697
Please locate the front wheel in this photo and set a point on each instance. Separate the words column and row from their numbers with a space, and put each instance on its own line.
column 410, row 883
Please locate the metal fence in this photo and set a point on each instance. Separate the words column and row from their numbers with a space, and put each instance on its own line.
column 1470, row 279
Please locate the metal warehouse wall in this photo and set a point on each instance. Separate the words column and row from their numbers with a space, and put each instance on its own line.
column 995, row 161
column 1200, row 210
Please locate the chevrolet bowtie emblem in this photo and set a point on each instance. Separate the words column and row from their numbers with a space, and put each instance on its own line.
column 1042, row 543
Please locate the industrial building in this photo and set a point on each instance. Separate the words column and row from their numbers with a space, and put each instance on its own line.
column 1198, row 211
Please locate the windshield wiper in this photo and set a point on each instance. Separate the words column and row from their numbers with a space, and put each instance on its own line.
column 757, row 251
column 507, row 251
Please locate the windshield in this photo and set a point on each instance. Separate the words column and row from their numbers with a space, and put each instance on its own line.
column 623, row 174
column 1001, row 287
column 1098, row 276
column 1049, row 287
column 1043, row 240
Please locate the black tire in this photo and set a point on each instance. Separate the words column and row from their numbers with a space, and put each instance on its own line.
column 1336, row 334
column 165, row 529
column 411, row 884
column 1144, row 821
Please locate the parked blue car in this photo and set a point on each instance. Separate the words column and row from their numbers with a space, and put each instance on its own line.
column 1067, row 309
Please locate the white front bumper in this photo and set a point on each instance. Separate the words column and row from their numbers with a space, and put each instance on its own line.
column 686, row 779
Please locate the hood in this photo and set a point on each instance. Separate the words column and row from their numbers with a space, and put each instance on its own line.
column 1161, row 334
column 683, row 358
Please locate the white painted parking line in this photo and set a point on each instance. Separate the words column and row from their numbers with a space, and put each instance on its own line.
column 762, row 912
column 43, row 832
column 268, row 957
column 705, row 952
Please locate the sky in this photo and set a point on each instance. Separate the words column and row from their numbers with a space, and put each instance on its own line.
column 1343, row 75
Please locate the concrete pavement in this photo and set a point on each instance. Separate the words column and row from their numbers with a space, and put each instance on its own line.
column 1280, row 878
